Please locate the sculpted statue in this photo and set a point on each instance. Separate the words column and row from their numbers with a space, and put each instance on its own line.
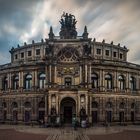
column 49, row 49
column 68, row 23
column 62, row 22
column 87, row 49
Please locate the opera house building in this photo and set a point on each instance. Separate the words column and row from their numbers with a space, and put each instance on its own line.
column 70, row 76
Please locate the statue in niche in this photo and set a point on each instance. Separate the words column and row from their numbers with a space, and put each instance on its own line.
column 87, row 49
column 49, row 50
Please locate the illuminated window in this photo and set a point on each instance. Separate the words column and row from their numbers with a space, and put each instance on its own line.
column 15, row 82
column 132, row 83
column 108, row 81
column 121, row 82
column 42, row 80
column 94, row 80
column 28, row 81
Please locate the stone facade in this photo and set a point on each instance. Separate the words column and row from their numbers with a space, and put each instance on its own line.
column 69, row 75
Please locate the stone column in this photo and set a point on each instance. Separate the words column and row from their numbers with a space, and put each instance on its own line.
column 49, row 104
column 80, row 74
column 89, row 79
column 86, row 73
column 50, row 73
column 47, row 76
column 46, row 105
column 90, row 109
column 86, row 98
column 33, row 79
column 102, row 81
column 19, row 75
column 33, row 53
column 22, row 80
column 115, row 81
column 137, row 82
column 36, row 79
column 127, row 82
column 9, row 81
column 55, row 74
column 78, row 107
column 57, row 104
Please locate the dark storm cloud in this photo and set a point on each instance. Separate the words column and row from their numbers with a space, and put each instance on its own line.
column 15, row 17
column 24, row 20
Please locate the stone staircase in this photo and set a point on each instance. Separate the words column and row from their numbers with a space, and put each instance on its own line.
column 68, row 134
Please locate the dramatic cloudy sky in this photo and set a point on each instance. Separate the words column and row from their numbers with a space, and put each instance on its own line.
column 112, row 20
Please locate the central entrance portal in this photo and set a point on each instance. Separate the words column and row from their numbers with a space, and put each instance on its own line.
column 67, row 109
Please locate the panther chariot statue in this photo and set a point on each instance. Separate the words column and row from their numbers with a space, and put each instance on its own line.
column 68, row 26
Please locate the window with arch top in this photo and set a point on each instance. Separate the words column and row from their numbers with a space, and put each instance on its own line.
column 121, row 82
column 42, row 80
column 132, row 83
column 28, row 81
column 108, row 81
column 15, row 82
column 5, row 83
column 94, row 104
column 94, row 80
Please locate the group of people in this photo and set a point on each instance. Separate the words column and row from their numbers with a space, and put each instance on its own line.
column 83, row 124
column 57, row 122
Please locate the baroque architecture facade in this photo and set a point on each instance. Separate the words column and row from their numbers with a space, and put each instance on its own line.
column 70, row 75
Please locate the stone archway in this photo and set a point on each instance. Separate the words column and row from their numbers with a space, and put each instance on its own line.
column 67, row 109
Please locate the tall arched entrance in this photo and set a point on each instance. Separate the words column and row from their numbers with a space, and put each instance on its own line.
column 67, row 109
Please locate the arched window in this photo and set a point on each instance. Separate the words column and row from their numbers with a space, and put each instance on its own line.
column 14, row 105
column 121, row 82
column 41, row 104
column 5, row 83
column 122, row 105
column 27, row 105
column 133, row 106
column 108, row 105
column 94, row 104
column 94, row 80
column 132, row 83
column 28, row 81
column 42, row 80
column 108, row 81
column 15, row 82
column 4, row 105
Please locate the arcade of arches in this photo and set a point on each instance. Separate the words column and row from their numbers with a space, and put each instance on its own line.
column 67, row 108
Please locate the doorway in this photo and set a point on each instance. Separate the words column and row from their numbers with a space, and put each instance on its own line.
column 67, row 114
column 109, row 116
column 121, row 117
column 15, row 115
column 41, row 115
column 67, row 110
column 27, row 116
column 132, row 116
column 94, row 117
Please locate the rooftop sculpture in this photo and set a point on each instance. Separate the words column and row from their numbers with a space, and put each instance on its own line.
column 68, row 26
